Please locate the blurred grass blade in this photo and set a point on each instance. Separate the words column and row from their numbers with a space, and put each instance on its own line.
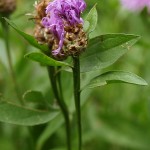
column 44, row 59
column 14, row 114
column 90, row 21
column 58, row 149
column 28, row 37
column 120, row 130
column 104, row 50
column 116, row 77
column 49, row 130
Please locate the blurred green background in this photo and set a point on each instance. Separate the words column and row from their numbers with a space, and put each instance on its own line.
column 115, row 117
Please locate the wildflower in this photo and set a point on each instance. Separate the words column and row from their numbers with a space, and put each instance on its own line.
column 7, row 6
column 136, row 5
column 63, row 22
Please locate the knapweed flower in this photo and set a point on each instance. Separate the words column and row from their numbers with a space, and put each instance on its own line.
column 7, row 6
column 64, row 24
column 136, row 5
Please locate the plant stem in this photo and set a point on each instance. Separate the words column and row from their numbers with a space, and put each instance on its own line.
column 59, row 84
column 6, row 38
column 145, row 18
column 76, row 78
column 61, row 103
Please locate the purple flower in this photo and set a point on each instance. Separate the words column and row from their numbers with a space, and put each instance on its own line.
column 136, row 5
column 62, row 13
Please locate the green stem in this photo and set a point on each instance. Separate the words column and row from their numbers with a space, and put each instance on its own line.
column 76, row 78
column 6, row 38
column 61, row 103
column 145, row 18
column 59, row 84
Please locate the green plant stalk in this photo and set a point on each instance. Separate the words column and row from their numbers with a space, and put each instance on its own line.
column 6, row 39
column 76, row 78
column 145, row 18
column 61, row 103
column 59, row 83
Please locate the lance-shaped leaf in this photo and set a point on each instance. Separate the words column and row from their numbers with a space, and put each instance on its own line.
column 104, row 50
column 44, row 59
column 116, row 77
column 49, row 130
column 90, row 21
column 28, row 37
column 14, row 114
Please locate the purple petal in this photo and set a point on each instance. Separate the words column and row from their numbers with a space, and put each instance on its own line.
column 72, row 17
column 46, row 22
column 135, row 5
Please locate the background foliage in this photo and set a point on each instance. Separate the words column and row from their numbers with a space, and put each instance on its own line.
column 115, row 117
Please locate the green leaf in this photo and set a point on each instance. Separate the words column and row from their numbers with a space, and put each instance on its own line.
column 104, row 50
column 50, row 129
column 28, row 37
column 44, row 59
column 91, row 20
column 116, row 77
column 14, row 114
column 33, row 96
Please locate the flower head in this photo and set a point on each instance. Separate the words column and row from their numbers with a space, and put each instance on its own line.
column 61, row 15
column 136, row 5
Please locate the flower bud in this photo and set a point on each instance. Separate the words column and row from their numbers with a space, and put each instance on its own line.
column 7, row 6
